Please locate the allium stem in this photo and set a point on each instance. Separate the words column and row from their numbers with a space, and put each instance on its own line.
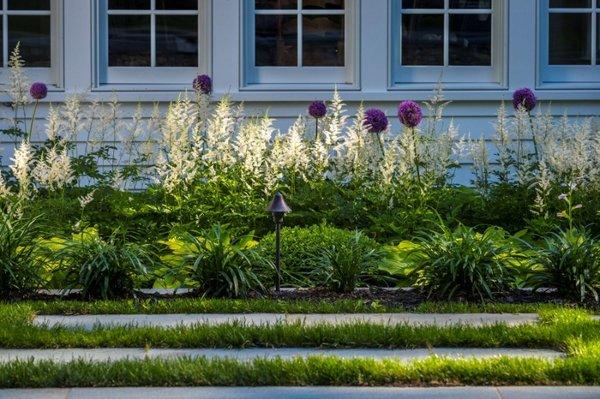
column 535, row 144
column 380, row 141
column 35, row 107
column 416, row 154
column 316, row 130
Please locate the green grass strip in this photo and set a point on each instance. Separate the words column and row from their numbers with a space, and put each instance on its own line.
column 180, row 305
column 556, row 330
column 316, row 371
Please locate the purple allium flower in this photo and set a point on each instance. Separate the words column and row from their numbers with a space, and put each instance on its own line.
column 317, row 109
column 524, row 98
column 203, row 84
column 410, row 114
column 375, row 120
column 38, row 91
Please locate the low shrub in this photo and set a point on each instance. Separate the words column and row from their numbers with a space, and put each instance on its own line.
column 19, row 258
column 215, row 262
column 102, row 268
column 342, row 266
column 460, row 262
column 569, row 261
column 302, row 251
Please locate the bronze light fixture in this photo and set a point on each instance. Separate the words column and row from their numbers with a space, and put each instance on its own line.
column 278, row 208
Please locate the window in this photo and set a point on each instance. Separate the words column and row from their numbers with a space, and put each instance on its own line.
column 301, row 41
column 31, row 23
column 143, row 41
column 572, row 57
column 457, row 41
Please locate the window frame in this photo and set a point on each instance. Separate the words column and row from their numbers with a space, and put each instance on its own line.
column 454, row 77
column 53, row 75
column 567, row 76
column 300, row 77
column 105, row 75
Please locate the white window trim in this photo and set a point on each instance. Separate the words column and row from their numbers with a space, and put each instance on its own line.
column 427, row 77
column 565, row 76
column 301, row 78
column 135, row 78
column 54, row 75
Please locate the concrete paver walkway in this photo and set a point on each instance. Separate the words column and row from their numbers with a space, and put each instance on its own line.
column 174, row 320
column 309, row 393
column 115, row 354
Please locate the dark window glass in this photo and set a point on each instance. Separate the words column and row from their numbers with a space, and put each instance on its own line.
column 569, row 3
column 177, row 40
column 33, row 32
column 275, row 4
column 128, row 4
column 422, row 39
column 470, row 39
column 29, row 5
column 323, row 4
column 129, row 40
column 276, row 40
column 176, row 4
column 480, row 4
column 323, row 40
column 570, row 39
column 422, row 3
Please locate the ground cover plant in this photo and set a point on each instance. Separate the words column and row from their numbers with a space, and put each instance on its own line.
column 204, row 162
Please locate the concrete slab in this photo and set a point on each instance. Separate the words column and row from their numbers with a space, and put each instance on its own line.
column 88, row 322
column 310, row 393
column 114, row 354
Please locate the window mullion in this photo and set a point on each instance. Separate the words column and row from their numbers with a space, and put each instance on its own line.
column 153, row 33
column 446, row 32
column 5, row 50
column 593, row 43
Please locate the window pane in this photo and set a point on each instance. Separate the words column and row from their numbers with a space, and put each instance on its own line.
column 29, row 5
column 323, row 40
column 33, row 32
column 323, row 4
column 177, row 40
column 570, row 36
column 129, row 40
column 276, row 40
column 569, row 3
column 128, row 4
column 275, row 4
column 422, row 3
column 176, row 4
column 422, row 39
column 480, row 4
column 471, row 39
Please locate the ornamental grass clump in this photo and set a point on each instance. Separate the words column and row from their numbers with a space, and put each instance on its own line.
column 20, row 259
column 215, row 263
column 462, row 262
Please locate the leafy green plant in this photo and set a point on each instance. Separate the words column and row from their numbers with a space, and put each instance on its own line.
column 569, row 261
column 449, row 263
column 216, row 263
column 102, row 268
column 19, row 255
column 302, row 250
column 342, row 265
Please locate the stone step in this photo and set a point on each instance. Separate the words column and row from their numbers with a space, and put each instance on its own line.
column 174, row 320
column 308, row 393
column 115, row 354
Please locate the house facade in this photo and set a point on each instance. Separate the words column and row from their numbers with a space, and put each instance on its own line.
column 277, row 55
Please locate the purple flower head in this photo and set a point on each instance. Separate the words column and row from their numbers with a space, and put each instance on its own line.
column 524, row 98
column 410, row 114
column 375, row 120
column 203, row 84
column 38, row 91
column 317, row 109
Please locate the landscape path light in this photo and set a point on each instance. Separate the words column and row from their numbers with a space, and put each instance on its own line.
column 278, row 208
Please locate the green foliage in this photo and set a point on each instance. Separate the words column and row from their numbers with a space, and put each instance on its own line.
column 342, row 266
column 216, row 263
column 569, row 261
column 19, row 256
column 102, row 268
column 302, row 251
column 450, row 263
